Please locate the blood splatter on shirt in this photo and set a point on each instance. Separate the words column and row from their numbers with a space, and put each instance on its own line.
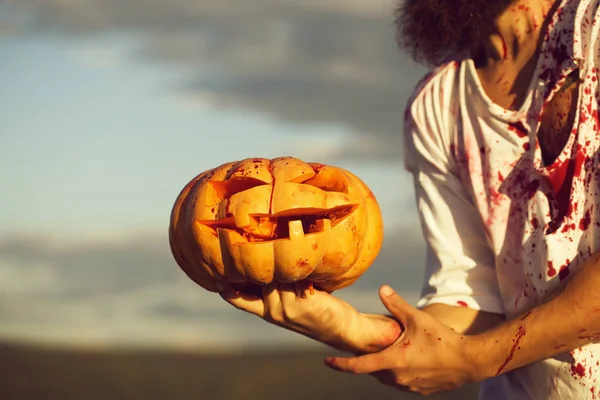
column 503, row 229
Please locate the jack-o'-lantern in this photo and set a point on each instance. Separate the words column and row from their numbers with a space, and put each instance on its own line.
column 256, row 221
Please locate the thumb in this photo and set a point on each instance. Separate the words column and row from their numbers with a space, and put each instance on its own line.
column 395, row 304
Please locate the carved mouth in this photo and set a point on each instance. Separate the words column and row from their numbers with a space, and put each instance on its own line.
column 286, row 224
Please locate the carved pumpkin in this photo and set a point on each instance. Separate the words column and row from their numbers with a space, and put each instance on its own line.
column 257, row 220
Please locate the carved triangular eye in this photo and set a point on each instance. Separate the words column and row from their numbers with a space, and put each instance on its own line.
column 329, row 179
column 225, row 189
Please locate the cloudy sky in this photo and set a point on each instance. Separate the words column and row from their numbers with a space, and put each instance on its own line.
column 109, row 107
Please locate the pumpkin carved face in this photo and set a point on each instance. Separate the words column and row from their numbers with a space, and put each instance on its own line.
column 257, row 221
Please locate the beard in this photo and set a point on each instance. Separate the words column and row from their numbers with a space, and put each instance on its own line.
column 436, row 31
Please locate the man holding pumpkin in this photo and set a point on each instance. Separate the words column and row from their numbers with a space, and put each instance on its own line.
column 502, row 140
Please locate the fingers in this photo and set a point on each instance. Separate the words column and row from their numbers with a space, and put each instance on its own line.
column 273, row 308
column 287, row 293
column 366, row 364
column 281, row 305
column 244, row 301
column 273, row 302
column 269, row 305
column 396, row 304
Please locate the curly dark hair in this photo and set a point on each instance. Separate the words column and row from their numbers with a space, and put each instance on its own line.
column 436, row 31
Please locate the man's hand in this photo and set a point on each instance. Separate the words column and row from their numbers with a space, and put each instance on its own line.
column 566, row 321
column 318, row 315
column 429, row 356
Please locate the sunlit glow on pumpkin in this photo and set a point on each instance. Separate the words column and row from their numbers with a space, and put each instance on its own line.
column 256, row 221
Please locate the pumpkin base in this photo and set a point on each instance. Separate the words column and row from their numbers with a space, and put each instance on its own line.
column 300, row 288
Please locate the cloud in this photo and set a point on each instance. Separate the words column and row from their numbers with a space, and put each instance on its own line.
column 88, row 269
column 132, row 292
column 101, row 58
column 309, row 62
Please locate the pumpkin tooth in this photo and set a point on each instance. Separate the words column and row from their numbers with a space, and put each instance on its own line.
column 324, row 225
column 242, row 220
column 295, row 229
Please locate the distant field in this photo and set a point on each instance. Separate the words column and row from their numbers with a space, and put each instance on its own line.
column 28, row 372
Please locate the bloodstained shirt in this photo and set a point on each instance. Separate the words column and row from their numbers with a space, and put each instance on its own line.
column 503, row 230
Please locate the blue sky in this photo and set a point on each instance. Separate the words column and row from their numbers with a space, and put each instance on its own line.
column 94, row 142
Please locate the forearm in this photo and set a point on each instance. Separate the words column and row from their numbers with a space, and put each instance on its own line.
column 567, row 321
column 461, row 319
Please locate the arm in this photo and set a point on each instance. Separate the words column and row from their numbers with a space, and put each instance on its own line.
column 371, row 332
column 464, row 320
column 332, row 321
column 569, row 320
column 430, row 357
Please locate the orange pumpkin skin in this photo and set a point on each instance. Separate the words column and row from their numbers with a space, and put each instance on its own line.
column 256, row 221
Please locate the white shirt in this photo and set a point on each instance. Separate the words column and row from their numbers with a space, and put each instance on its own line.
column 503, row 230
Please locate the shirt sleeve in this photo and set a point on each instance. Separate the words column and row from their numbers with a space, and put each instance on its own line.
column 460, row 268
